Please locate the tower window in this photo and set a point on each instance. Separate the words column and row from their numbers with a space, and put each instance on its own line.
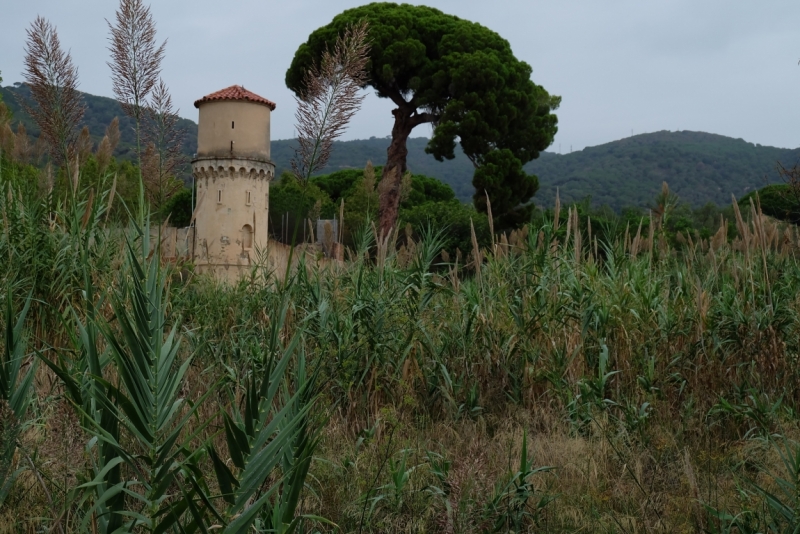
column 247, row 237
column 231, row 146
column 219, row 196
column 231, row 125
column 247, row 198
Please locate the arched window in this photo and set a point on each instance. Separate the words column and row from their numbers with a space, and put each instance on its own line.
column 247, row 237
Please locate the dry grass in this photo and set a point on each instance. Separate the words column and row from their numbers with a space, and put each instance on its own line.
column 641, row 374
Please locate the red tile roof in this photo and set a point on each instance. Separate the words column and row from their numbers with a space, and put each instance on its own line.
column 235, row 92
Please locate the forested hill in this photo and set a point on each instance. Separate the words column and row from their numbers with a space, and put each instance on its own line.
column 699, row 167
column 100, row 111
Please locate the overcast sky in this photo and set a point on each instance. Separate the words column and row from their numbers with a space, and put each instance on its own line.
column 722, row 66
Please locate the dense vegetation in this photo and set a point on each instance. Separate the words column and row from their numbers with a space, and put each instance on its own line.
column 352, row 196
column 100, row 111
column 699, row 167
column 463, row 80
column 573, row 376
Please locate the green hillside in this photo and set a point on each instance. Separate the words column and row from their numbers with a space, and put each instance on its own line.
column 100, row 111
column 699, row 167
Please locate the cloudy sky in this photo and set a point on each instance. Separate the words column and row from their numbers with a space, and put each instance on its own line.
column 621, row 66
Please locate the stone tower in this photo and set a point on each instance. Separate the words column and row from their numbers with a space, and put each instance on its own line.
column 232, row 170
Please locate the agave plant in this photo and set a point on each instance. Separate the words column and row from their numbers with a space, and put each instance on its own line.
column 145, row 449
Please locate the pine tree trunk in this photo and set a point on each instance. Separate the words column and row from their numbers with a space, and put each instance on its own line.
column 394, row 169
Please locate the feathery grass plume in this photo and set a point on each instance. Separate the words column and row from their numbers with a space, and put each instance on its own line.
column 557, row 213
column 164, row 141
column 39, row 150
column 106, row 147
column 6, row 133
column 46, row 179
column 22, row 145
column 135, row 68
column 577, row 240
column 7, row 139
column 83, row 147
column 53, row 81
column 369, row 177
column 112, row 132
column 405, row 186
column 330, row 99
column 135, row 59
column 111, row 194
column 5, row 114
column 103, row 154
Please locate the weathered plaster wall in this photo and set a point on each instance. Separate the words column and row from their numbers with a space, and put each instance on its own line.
column 245, row 124
column 232, row 212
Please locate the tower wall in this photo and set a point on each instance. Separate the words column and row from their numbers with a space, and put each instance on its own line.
column 232, row 186
column 229, row 127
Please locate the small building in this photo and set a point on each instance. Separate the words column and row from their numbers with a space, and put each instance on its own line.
column 232, row 169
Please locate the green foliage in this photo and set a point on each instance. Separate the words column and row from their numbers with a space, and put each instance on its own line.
column 699, row 167
column 179, row 208
column 464, row 71
column 146, row 472
column 768, row 508
column 462, row 74
column 338, row 185
column 777, row 201
column 508, row 187
column 361, row 204
column 517, row 503
column 454, row 218
column 19, row 177
column 425, row 189
column 291, row 202
column 670, row 353
column 342, row 184
column 15, row 393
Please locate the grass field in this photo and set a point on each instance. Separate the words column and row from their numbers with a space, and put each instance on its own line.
column 551, row 382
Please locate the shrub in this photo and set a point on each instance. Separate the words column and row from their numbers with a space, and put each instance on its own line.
column 179, row 208
column 777, row 201
column 452, row 216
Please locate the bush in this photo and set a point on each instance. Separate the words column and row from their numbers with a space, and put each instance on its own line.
column 777, row 201
column 289, row 197
column 452, row 216
column 179, row 208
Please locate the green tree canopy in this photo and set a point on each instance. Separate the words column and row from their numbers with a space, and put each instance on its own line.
column 455, row 74
column 341, row 184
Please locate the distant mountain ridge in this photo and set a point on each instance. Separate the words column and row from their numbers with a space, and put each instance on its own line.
column 699, row 167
